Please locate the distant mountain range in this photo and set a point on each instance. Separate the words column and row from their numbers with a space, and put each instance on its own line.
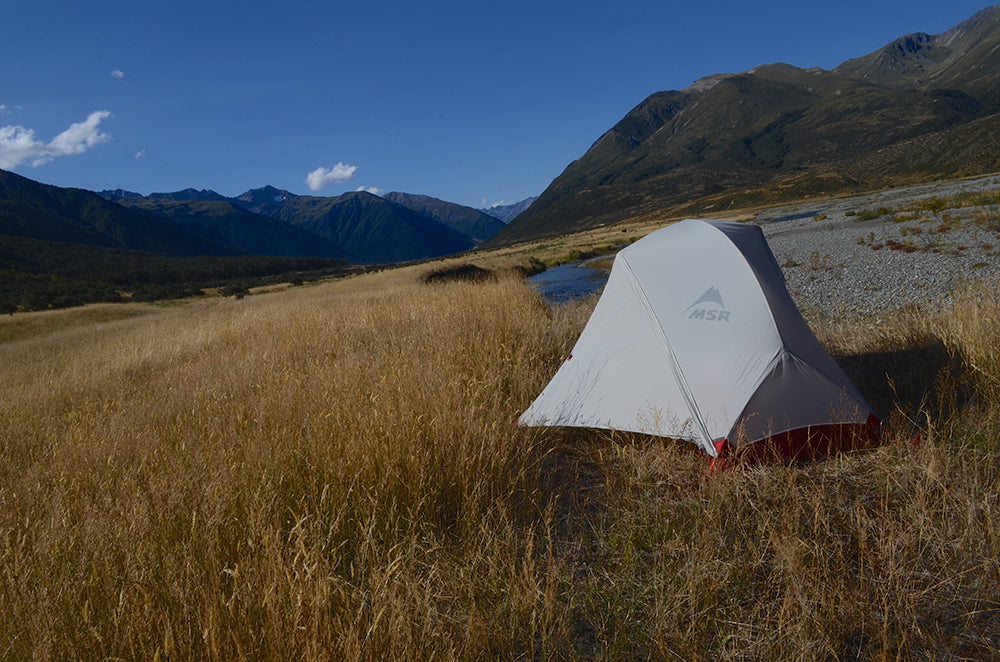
column 362, row 227
column 358, row 226
column 922, row 107
column 508, row 213
column 464, row 220
column 228, row 224
column 375, row 229
column 59, row 246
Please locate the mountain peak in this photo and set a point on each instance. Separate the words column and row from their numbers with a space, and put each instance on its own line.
column 118, row 194
column 507, row 213
column 705, row 83
column 938, row 60
column 189, row 194
column 984, row 21
column 266, row 194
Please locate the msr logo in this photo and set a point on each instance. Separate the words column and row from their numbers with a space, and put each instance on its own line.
column 708, row 307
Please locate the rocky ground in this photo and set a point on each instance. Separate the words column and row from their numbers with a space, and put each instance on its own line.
column 842, row 257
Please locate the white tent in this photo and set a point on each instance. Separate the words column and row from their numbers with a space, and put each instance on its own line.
column 696, row 337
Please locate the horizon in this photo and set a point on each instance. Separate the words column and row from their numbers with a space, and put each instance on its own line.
column 480, row 106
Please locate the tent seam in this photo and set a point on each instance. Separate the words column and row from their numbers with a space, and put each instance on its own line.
column 671, row 358
column 757, row 278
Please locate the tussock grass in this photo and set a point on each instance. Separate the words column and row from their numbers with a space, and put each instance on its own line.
column 330, row 473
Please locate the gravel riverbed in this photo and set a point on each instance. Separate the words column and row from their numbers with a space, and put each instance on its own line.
column 841, row 259
column 862, row 256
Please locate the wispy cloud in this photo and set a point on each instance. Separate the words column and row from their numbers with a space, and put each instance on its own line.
column 322, row 177
column 118, row 73
column 19, row 145
column 374, row 190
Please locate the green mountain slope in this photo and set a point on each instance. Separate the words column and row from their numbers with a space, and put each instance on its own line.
column 265, row 200
column 226, row 223
column 465, row 220
column 374, row 229
column 33, row 210
column 778, row 132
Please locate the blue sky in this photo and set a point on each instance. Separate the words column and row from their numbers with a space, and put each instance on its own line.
column 472, row 102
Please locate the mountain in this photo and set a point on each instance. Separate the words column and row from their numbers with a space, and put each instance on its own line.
column 508, row 213
column 963, row 58
column 465, row 220
column 188, row 194
column 266, row 200
column 373, row 228
column 922, row 107
column 31, row 210
column 227, row 223
column 359, row 227
column 118, row 194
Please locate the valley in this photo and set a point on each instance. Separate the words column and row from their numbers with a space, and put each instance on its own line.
column 278, row 427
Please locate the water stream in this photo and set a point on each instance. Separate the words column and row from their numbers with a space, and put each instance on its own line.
column 568, row 281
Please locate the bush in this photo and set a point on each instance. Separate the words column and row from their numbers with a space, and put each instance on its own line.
column 238, row 290
column 462, row 272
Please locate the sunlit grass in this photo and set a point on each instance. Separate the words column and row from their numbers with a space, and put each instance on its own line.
column 331, row 473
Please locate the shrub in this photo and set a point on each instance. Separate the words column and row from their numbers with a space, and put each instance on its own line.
column 461, row 272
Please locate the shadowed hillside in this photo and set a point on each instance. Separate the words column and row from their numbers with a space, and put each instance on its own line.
column 37, row 211
column 464, row 220
column 229, row 224
column 375, row 229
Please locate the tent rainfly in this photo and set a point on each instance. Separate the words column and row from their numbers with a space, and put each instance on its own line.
column 695, row 337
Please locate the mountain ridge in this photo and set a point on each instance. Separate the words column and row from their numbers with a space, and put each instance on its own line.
column 229, row 224
column 465, row 220
column 508, row 213
column 33, row 210
column 375, row 229
column 775, row 131
column 398, row 227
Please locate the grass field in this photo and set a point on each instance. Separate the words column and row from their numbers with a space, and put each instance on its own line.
column 330, row 472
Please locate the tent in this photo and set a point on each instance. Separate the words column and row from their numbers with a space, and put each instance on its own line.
column 695, row 337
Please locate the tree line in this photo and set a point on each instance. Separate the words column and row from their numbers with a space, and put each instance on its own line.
column 72, row 275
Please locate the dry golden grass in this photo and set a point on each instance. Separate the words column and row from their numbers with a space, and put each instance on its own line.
column 330, row 473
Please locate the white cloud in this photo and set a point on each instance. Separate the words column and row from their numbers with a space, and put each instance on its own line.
column 118, row 73
column 374, row 190
column 141, row 153
column 19, row 145
column 489, row 205
column 322, row 177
